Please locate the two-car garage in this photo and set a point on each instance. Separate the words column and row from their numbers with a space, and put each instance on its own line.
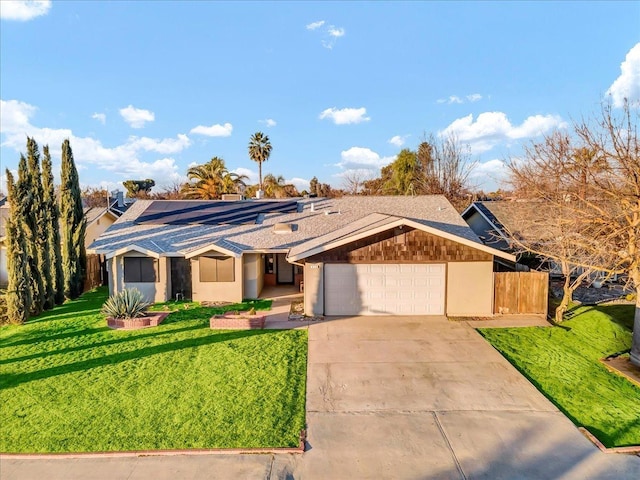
column 384, row 289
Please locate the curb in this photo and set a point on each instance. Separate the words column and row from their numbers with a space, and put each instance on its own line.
column 161, row 453
column 631, row 450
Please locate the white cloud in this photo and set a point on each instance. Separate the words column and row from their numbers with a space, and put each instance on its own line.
column 14, row 115
column 300, row 183
column 493, row 169
column 474, row 97
column 136, row 117
column 398, row 140
column 315, row 25
column 253, row 175
column 216, row 130
column 23, row 10
column 492, row 128
column 345, row 116
column 269, row 122
column 330, row 33
column 360, row 158
column 627, row 85
column 335, row 32
column 124, row 159
column 101, row 117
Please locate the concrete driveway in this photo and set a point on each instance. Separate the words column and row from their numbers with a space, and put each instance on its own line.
column 394, row 397
column 425, row 398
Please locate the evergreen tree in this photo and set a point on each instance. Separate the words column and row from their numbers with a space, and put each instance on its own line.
column 39, row 218
column 74, row 257
column 50, row 205
column 18, row 293
column 26, row 218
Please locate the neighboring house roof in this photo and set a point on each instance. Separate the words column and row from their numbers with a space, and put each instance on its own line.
column 525, row 220
column 313, row 219
column 93, row 214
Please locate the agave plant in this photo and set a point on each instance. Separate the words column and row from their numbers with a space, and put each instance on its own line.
column 129, row 303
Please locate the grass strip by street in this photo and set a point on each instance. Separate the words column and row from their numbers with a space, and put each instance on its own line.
column 563, row 363
column 70, row 384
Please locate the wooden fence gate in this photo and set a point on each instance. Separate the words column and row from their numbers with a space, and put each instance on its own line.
column 521, row 292
column 94, row 272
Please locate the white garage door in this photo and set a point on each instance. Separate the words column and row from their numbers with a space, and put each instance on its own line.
column 384, row 289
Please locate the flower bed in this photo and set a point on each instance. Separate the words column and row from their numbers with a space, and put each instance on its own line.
column 152, row 319
column 237, row 321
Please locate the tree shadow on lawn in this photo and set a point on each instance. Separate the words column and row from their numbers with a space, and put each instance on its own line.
column 113, row 341
column 71, row 331
column 612, row 437
column 621, row 314
column 13, row 380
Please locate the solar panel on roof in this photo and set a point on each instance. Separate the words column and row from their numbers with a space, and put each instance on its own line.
column 211, row 212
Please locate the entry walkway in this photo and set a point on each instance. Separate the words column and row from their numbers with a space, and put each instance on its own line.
column 394, row 397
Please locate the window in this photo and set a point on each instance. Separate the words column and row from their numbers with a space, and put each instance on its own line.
column 217, row 269
column 140, row 269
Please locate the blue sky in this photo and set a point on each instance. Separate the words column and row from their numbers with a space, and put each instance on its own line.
column 146, row 89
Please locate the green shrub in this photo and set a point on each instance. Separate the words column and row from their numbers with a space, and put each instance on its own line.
column 4, row 319
column 129, row 303
column 252, row 311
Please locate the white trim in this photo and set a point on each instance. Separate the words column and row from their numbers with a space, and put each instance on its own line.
column 132, row 248
column 210, row 247
column 404, row 222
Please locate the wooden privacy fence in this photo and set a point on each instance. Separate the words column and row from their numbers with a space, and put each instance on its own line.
column 94, row 272
column 521, row 292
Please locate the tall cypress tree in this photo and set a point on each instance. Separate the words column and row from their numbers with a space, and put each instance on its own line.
column 18, row 290
column 74, row 256
column 38, row 215
column 27, row 218
column 50, row 206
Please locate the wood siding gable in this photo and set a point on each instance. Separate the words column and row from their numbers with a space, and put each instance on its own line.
column 406, row 245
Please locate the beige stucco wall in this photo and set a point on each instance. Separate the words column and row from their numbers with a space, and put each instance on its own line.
column 314, row 289
column 154, row 292
column 4, row 274
column 253, row 274
column 97, row 228
column 470, row 288
column 218, row 291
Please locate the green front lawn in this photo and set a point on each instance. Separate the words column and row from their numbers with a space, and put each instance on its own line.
column 70, row 384
column 562, row 362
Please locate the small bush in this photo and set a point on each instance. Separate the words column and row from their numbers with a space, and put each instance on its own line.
column 129, row 303
column 252, row 311
column 631, row 297
column 4, row 319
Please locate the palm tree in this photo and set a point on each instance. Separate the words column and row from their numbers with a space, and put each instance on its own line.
column 273, row 186
column 259, row 151
column 211, row 180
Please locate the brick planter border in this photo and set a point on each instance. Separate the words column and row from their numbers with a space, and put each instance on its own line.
column 150, row 320
column 241, row 321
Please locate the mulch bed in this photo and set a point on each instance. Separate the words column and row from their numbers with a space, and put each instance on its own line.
column 297, row 312
column 471, row 319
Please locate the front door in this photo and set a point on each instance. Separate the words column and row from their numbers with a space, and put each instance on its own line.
column 180, row 278
column 284, row 269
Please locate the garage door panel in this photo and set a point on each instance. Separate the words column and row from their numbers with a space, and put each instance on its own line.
column 384, row 289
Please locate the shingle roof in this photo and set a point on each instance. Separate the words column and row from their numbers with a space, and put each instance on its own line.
column 526, row 220
column 328, row 215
